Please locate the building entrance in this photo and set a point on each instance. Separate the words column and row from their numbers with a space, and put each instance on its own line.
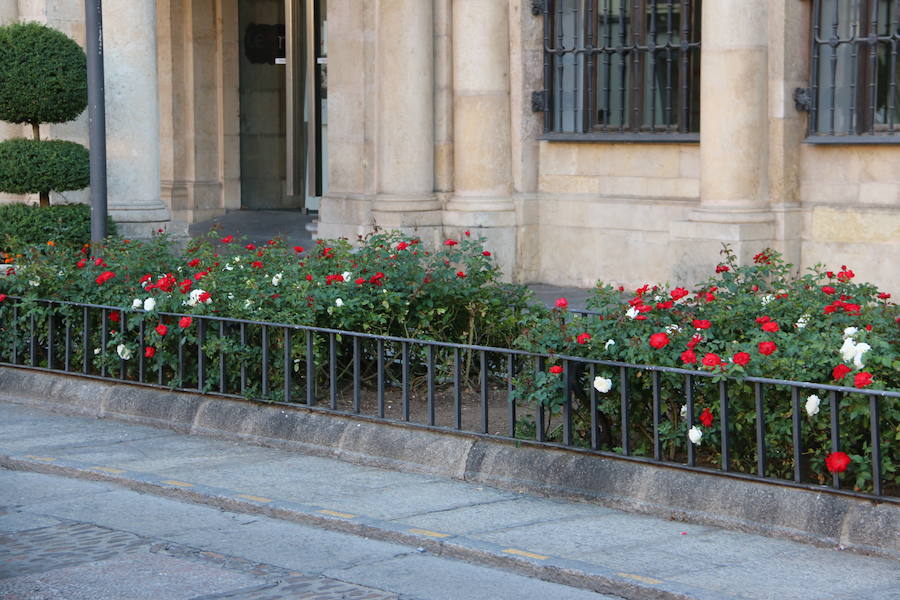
column 282, row 103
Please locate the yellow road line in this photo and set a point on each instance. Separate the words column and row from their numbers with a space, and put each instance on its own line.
column 337, row 514
column 254, row 498
column 641, row 578
column 178, row 483
column 429, row 533
column 108, row 470
column 526, row 553
column 44, row 458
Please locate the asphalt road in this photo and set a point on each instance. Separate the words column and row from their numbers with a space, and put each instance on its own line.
column 68, row 539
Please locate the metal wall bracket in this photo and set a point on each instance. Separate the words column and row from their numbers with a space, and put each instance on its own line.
column 537, row 7
column 802, row 99
column 539, row 101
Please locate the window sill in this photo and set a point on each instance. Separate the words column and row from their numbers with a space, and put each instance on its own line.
column 852, row 140
column 631, row 138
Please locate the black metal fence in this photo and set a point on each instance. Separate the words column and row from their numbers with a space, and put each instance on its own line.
column 763, row 428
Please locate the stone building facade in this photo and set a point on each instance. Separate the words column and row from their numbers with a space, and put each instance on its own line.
column 432, row 127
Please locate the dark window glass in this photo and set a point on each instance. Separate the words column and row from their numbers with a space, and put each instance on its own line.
column 855, row 68
column 622, row 66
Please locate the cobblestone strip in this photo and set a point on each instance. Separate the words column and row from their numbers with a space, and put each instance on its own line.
column 70, row 544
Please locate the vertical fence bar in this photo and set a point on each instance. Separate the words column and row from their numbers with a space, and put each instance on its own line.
column 539, row 407
column 380, row 375
column 595, row 438
column 67, row 361
column 104, row 339
column 288, row 365
column 142, row 358
column 689, row 397
column 243, row 361
column 51, row 342
column 124, row 326
column 15, row 336
column 482, row 355
column 759, row 395
column 567, row 403
column 875, row 426
column 795, row 432
column 32, row 343
column 356, row 374
column 657, row 402
column 310, row 370
column 85, row 341
column 625, row 402
column 264, row 376
column 430, row 375
column 510, row 388
column 834, row 401
column 332, row 370
column 181, row 365
column 724, row 424
column 457, row 389
column 405, row 371
column 201, row 356
column 223, row 381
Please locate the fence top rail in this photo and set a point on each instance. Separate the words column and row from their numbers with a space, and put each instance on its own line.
column 823, row 387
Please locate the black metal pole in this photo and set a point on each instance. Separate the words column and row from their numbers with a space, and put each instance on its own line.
column 93, row 20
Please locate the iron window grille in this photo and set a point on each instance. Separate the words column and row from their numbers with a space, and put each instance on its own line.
column 627, row 69
column 854, row 71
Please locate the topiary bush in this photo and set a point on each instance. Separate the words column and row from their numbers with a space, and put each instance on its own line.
column 43, row 79
column 66, row 225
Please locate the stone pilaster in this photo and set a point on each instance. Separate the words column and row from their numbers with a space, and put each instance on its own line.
column 481, row 128
column 132, row 116
column 405, row 140
column 734, row 140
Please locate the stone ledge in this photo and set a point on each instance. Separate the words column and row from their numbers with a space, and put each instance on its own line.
column 811, row 516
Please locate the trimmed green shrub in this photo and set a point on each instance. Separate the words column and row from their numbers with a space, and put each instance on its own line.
column 23, row 225
column 43, row 75
column 34, row 166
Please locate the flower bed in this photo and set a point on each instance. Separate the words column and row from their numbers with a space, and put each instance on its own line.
column 751, row 321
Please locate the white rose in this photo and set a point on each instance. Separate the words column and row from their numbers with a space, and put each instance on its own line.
column 347, row 275
column 277, row 278
column 230, row 296
column 848, row 350
column 34, row 282
column 229, row 267
column 609, row 343
column 96, row 350
column 695, row 435
column 803, row 320
column 248, row 303
column 858, row 354
column 632, row 312
column 812, row 405
column 136, row 303
column 123, row 351
column 338, row 302
column 673, row 328
column 684, row 411
column 149, row 304
column 850, row 332
column 766, row 299
column 602, row 384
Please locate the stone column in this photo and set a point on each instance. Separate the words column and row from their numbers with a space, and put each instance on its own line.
column 405, row 139
column 481, row 128
column 734, row 125
column 132, row 116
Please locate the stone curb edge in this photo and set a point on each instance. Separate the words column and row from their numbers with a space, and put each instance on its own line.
column 548, row 568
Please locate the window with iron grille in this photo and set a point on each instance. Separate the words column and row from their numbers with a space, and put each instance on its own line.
column 626, row 69
column 854, row 94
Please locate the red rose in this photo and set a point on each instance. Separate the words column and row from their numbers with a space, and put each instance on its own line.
column 741, row 358
column 467, row 233
column 81, row 263
column 664, row 305
column 839, row 372
column 227, row 239
column 460, row 274
column 828, row 289
column 846, row 274
column 868, row 328
column 863, row 379
column 185, row 322
column 104, row 277
column 309, row 277
column 256, row 264
column 250, row 247
column 204, row 297
column 199, row 275
column 149, row 351
column 701, row 323
column 770, row 326
column 711, row 360
column 3, row 297
column 659, row 340
column 450, row 242
column 583, row 338
column 722, row 268
column 884, row 296
column 485, row 253
column 695, row 339
column 556, row 369
column 162, row 329
column 678, row 293
column 114, row 317
column 688, row 357
column 360, row 280
column 562, row 303
column 763, row 319
column 837, row 462
column 767, row 348
column 298, row 249
column 706, row 417
column 194, row 263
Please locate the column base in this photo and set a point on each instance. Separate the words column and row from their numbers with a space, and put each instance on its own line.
column 140, row 220
column 418, row 216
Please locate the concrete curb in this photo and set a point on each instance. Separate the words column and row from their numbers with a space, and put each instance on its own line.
column 820, row 518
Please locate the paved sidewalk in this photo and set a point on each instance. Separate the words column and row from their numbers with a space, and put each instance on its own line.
column 584, row 544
